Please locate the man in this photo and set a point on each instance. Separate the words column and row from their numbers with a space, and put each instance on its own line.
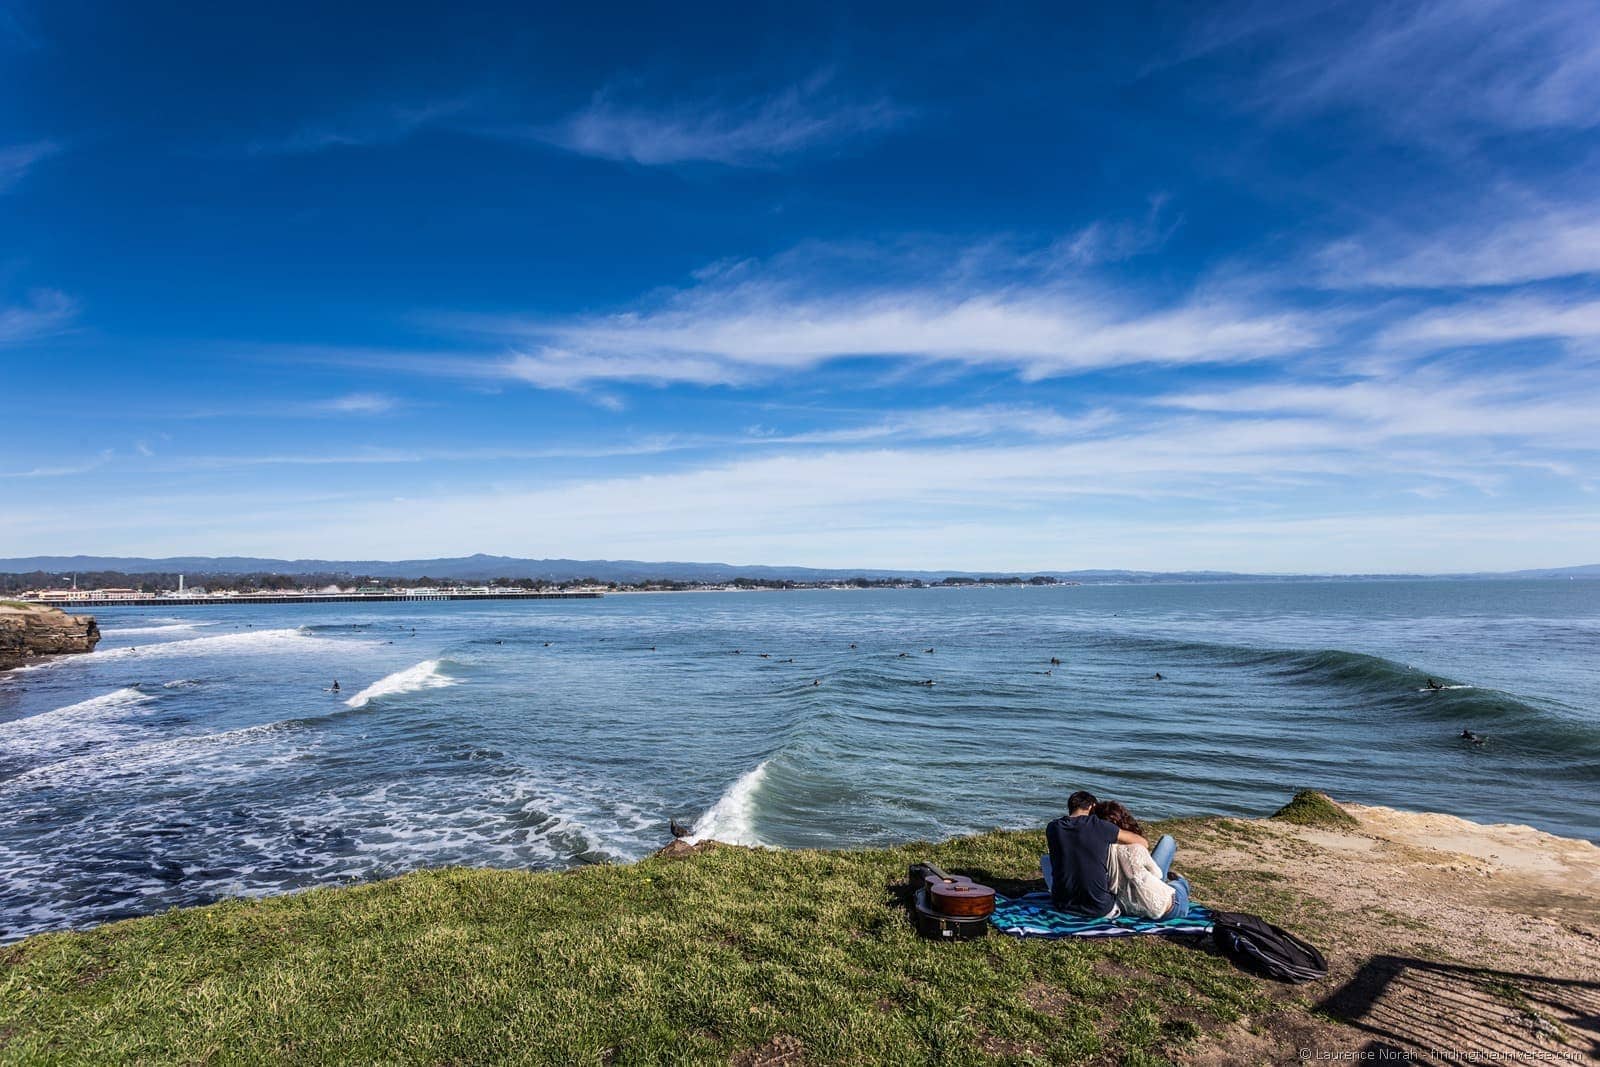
column 1076, row 869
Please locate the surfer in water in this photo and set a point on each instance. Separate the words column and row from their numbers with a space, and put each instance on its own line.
column 1476, row 739
column 1434, row 685
column 334, row 688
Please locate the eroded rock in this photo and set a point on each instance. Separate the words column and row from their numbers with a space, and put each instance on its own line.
column 29, row 631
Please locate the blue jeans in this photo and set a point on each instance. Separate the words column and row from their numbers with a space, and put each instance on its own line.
column 1180, row 898
column 1164, row 851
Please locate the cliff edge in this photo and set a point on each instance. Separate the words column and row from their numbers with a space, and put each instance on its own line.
column 1449, row 942
column 28, row 631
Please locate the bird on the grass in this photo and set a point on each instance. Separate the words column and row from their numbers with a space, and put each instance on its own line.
column 678, row 829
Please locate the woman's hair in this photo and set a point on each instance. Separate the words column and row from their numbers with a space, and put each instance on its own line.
column 1118, row 816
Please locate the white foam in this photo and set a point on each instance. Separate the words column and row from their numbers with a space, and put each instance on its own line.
column 285, row 640
column 424, row 675
column 731, row 819
column 164, row 628
column 173, row 755
column 41, row 665
column 95, row 719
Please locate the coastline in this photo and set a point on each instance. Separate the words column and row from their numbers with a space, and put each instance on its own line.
column 1443, row 935
column 34, row 633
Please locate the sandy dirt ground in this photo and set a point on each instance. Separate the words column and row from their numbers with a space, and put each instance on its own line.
column 1449, row 941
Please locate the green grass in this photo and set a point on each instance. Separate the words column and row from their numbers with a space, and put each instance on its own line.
column 17, row 604
column 681, row 960
column 1311, row 808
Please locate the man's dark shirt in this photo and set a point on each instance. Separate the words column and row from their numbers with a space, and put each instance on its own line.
column 1079, row 848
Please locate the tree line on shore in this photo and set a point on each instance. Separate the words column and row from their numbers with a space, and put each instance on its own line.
column 266, row 582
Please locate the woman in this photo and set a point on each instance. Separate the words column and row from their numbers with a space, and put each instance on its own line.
column 1139, row 879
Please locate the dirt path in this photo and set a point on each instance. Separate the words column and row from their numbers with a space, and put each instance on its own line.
column 1450, row 941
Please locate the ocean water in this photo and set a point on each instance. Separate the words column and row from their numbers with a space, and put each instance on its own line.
column 198, row 753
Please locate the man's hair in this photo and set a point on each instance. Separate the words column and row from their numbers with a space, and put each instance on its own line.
column 1080, row 801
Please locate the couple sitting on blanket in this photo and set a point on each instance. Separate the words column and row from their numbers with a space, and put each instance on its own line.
column 1101, row 865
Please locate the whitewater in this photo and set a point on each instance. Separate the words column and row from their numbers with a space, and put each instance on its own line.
column 203, row 756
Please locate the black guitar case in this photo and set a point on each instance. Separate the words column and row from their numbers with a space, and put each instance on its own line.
column 940, row 927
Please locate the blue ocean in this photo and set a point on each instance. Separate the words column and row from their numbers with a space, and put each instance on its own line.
column 201, row 753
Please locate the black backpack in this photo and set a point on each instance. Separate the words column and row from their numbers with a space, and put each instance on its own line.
column 1256, row 945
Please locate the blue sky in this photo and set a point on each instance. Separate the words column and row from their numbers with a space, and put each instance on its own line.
column 1269, row 287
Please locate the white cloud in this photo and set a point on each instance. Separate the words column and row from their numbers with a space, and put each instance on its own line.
column 1454, row 411
column 361, row 127
column 1503, row 243
column 359, row 404
column 1432, row 68
column 754, row 332
column 754, row 132
column 1103, row 502
column 951, row 423
column 62, row 470
column 46, row 312
column 18, row 159
column 1497, row 320
column 1267, row 477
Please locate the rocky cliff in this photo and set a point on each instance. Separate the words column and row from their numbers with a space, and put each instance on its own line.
column 28, row 631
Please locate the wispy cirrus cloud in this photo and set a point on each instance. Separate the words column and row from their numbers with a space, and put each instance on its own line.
column 750, row 132
column 989, row 307
column 1498, row 319
column 953, row 423
column 373, row 124
column 44, row 312
column 62, row 470
column 18, row 159
column 1038, row 334
column 1500, row 242
column 749, row 336
column 1436, row 403
column 359, row 404
column 1428, row 68
column 734, row 131
column 1044, row 502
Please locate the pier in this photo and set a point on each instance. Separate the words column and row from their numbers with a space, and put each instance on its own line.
column 298, row 598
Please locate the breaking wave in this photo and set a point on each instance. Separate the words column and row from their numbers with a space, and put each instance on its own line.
column 159, row 628
column 425, row 675
column 731, row 819
column 289, row 639
column 100, row 718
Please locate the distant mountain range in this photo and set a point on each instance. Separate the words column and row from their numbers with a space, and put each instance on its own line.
column 482, row 567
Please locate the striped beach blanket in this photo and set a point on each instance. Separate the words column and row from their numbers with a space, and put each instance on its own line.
column 1034, row 916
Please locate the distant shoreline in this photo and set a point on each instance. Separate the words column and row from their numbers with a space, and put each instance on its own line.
column 92, row 599
column 161, row 601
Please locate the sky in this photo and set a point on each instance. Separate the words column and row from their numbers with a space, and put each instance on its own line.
column 1271, row 287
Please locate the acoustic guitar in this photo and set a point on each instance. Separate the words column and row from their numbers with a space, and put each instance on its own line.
column 956, row 894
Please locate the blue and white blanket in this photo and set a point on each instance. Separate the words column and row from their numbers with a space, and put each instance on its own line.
column 1035, row 916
